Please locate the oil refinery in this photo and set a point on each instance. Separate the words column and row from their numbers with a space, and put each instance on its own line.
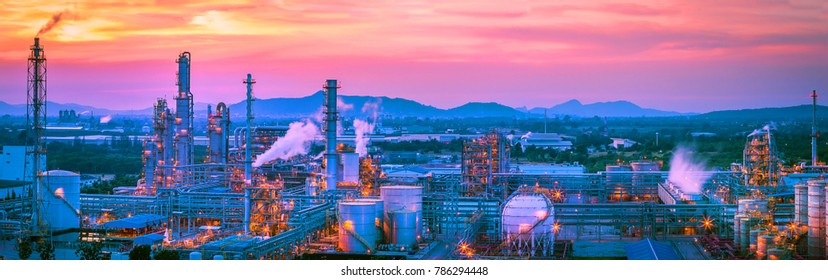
column 258, row 193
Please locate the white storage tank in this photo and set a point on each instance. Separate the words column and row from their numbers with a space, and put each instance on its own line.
column 378, row 204
column 801, row 203
column 357, row 226
column 744, row 231
column 754, row 239
column 737, row 229
column 63, row 200
column 762, row 244
column 350, row 167
column 528, row 216
column 398, row 198
column 403, row 228
column 816, row 219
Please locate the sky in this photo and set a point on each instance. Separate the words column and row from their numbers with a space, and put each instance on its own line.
column 686, row 56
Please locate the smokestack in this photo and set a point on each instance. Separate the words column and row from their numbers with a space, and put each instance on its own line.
column 814, row 134
column 36, row 120
column 248, row 150
column 331, row 157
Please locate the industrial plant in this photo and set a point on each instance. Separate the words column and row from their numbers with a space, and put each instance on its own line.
column 260, row 194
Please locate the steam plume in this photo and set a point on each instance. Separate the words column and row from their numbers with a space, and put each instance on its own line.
column 296, row 142
column 106, row 119
column 341, row 106
column 687, row 172
column 362, row 129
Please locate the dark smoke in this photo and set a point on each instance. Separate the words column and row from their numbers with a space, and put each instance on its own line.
column 56, row 18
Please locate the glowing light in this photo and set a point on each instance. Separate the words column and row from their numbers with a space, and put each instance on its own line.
column 59, row 192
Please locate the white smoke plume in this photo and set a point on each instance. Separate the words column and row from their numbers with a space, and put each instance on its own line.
column 295, row 142
column 687, row 172
column 343, row 107
column 764, row 129
column 84, row 112
column 106, row 119
column 319, row 115
column 362, row 129
column 527, row 135
column 372, row 108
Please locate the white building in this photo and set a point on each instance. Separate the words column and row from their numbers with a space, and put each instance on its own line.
column 13, row 163
column 546, row 141
column 622, row 143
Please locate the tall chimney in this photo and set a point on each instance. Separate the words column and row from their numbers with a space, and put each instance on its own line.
column 331, row 157
column 248, row 153
column 814, row 133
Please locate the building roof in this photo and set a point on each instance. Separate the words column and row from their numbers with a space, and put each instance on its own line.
column 649, row 249
column 135, row 222
column 61, row 173
column 148, row 239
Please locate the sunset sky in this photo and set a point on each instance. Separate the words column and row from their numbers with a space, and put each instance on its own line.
column 687, row 56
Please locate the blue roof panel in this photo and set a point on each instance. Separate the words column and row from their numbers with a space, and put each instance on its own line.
column 649, row 249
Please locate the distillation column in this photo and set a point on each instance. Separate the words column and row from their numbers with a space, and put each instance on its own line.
column 248, row 153
column 184, row 113
column 331, row 157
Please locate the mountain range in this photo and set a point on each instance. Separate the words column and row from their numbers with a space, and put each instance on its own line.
column 350, row 106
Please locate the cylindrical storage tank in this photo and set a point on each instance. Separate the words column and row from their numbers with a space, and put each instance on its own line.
column 776, row 253
column 762, row 245
column 754, row 205
column 801, row 203
column 403, row 228
column 218, row 257
column 195, row 256
column 63, row 200
column 357, row 226
column 380, row 212
column 737, row 227
column 744, row 240
column 398, row 198
column 524, row 211
column 754, row 239
column 816, row 219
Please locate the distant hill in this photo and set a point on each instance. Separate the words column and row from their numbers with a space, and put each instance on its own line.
column 801, row 112
column 478, row 109
column 399, row 107
column 603, row 109
column 309, row 105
